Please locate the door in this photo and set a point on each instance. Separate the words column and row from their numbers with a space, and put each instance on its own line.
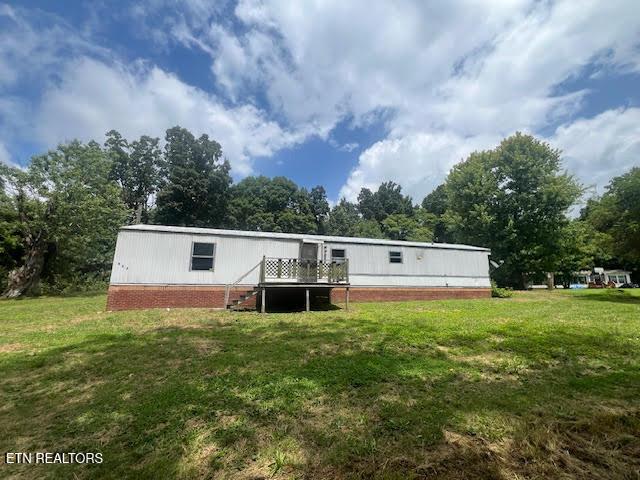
column 308, row 272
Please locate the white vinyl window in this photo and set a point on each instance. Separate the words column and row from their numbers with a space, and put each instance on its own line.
column 338, row 255
column 395, row 257
column 202, row 256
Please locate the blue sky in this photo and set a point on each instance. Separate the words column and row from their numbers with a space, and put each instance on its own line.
column 343, row 94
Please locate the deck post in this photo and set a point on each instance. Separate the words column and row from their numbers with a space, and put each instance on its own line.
column 347, row 300
column 307, row 299
column 263, row 306
column 226, row 296
column 263, row 268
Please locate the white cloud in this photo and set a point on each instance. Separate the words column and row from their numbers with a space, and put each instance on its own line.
column 32, row 47
column 329, row 65
column 593, row 149
column 446, row 77
column 417, row 161
column 459, row 65
column 94, row 97
column 601, row 147
column 4, row 155
column 85, row 91
column 450, row 76
column 349, row 147
column 512, row 86
column 345, row 147
column 509, row 88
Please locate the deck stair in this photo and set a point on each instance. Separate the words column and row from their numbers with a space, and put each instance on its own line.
column 246, row 301
column 286, row 273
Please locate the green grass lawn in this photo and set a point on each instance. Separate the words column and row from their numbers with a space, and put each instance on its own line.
column 539, row 385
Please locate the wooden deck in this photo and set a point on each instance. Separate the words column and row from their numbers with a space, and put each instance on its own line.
column 286, row 273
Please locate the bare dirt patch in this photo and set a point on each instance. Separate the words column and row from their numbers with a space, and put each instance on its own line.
column 603, row 447
column 12, row 347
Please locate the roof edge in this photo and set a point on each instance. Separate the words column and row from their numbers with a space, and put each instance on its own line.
column 297, row 236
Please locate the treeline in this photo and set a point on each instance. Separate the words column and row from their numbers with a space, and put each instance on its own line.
column 59, row 217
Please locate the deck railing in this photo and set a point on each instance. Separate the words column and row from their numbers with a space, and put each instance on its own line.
column 230, row 286
column 303, row 271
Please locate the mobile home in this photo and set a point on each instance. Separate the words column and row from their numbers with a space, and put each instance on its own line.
column 160, row 266
column 599, row 277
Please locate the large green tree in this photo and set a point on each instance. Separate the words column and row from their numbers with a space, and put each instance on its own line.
column 435, row 204
column 617, row 213
column 194, row 181
column 365, row 229
column 581, row 247
column 136, row 167
column 68, row 212
column 345, row 220
column 385, row 201
column 272, row 205
column 513, row 199
column 319, row 207
column 11, row 248
column 416, row 228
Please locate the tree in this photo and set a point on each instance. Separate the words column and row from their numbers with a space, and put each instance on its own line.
column 69, row 212
column 581, row 247
column 145, row 162
column 425, row 225
column 194, row 181
column 319, row 207
column 369, row 206
column 417, row 228
column 367, row 229
column 398, row 226
column 436, row 201
column 387, row 200
column 343, row 219
column 514, row 200
column 135, row 166
column 272, row 205
column 11, row 248
column 435, row 204
column 617, row 213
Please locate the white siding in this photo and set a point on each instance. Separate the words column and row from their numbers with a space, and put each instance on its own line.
column 163, row 258
column 429, row 267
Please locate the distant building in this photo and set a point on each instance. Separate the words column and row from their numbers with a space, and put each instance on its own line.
column 599, row 277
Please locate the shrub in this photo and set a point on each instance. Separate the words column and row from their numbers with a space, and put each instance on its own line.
column 72, row 285
column 498, row 292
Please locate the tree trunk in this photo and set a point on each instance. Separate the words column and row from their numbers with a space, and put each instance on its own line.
column 138, row 215
column 22, row 279
column 551, row 281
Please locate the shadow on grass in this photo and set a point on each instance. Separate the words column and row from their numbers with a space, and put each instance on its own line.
column 317, row 307
column 613, row 295
column 225, row 398
column 88, row 294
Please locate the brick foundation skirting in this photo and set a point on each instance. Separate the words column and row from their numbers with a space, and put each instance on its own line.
column 398, row 294
column 132, row 297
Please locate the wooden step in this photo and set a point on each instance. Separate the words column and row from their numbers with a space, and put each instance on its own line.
column 237, row 303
